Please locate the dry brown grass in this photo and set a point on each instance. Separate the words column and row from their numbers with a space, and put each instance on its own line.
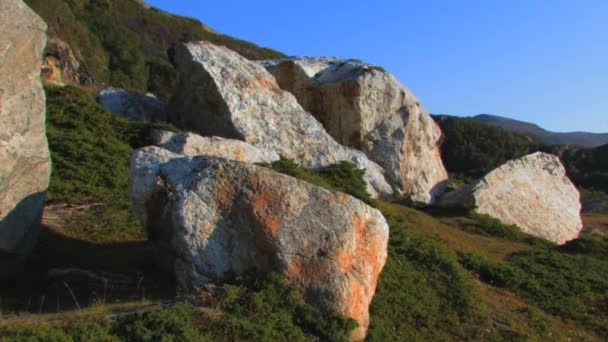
column 596, row 222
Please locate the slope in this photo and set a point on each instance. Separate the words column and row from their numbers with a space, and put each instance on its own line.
column 584, row 139
column 124, row 43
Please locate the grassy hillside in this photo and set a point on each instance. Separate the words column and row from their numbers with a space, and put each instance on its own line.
column 471, row 149
column 588, row 167
column 449, row 276
column 90, row 151
column 585, row 139
column 124, row 44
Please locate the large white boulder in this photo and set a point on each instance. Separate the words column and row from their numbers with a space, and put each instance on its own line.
column 365, row 107
column 224, row 94
column 210, row 217
column 532, row 192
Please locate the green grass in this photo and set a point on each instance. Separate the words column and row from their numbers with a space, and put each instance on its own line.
column 344, row 177
column 570, row 281
column 90, row 151
column 471, row 148
column 423, row 293
column 252, row 308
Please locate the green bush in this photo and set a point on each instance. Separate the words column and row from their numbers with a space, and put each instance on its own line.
column 253, row 308
column 562, row 283
column 79, row 330
column 90, row 150
column 344, row 176
column 490, row 226
column 499, row 274
column 588, row 168
column 590, row 245
column 471, row 148
column 267, row 308
column 423, row 293
column 173, row 324
column 347, row 177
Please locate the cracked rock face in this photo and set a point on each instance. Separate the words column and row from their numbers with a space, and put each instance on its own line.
column 365, row 107
column 24, row 155
column 212, row 216
column 532, row 192
column 223, row 94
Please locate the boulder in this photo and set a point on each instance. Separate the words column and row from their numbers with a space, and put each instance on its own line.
column 532, row 192
column 133, row 106
column 210, row 217
column 25, row 164
column 191, row 144
column 224, row 94
column 365, row 107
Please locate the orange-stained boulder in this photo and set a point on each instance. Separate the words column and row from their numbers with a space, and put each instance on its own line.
column 211, row 216
column 365, row 107
column 223, row 94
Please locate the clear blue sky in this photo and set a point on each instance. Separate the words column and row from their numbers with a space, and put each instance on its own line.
column 544, row 61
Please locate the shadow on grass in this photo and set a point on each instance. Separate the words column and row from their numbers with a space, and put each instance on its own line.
column 64, row 273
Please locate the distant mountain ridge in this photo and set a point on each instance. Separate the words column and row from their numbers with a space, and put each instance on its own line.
column 585, row 139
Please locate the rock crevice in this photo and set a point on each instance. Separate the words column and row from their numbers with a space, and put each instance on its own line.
column 213, row 216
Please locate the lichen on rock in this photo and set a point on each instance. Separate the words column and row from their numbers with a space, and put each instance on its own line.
column 210, row 217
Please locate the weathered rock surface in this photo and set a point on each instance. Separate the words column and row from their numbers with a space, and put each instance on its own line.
column 60, row 66
column 532, row 192
column 132, row 105
column 24, row 155
column 365, row 107
column 191, row 144
column 212, row 216
column 223, row 94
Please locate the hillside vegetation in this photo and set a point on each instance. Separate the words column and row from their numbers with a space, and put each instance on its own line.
column 472, row 148
column 90, row 151
column 124, row 44
column 450, row 275
column 588, row 167
column 584, row 139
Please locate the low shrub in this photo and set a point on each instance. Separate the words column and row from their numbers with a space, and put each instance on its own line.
column 90, row 150
column 253, row 308
column 423, row 293
column 344, row 176
column 490, row 226
column 563, row 283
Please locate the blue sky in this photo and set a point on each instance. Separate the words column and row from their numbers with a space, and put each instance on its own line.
column 544, row 61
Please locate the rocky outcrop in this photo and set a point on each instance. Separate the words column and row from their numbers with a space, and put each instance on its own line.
column 60, row 66
column 211, row 216
column 224, row 94
column 191, row 144
column 365, row 107
column 133, row 106
column 24, row 155
column 532, row 192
